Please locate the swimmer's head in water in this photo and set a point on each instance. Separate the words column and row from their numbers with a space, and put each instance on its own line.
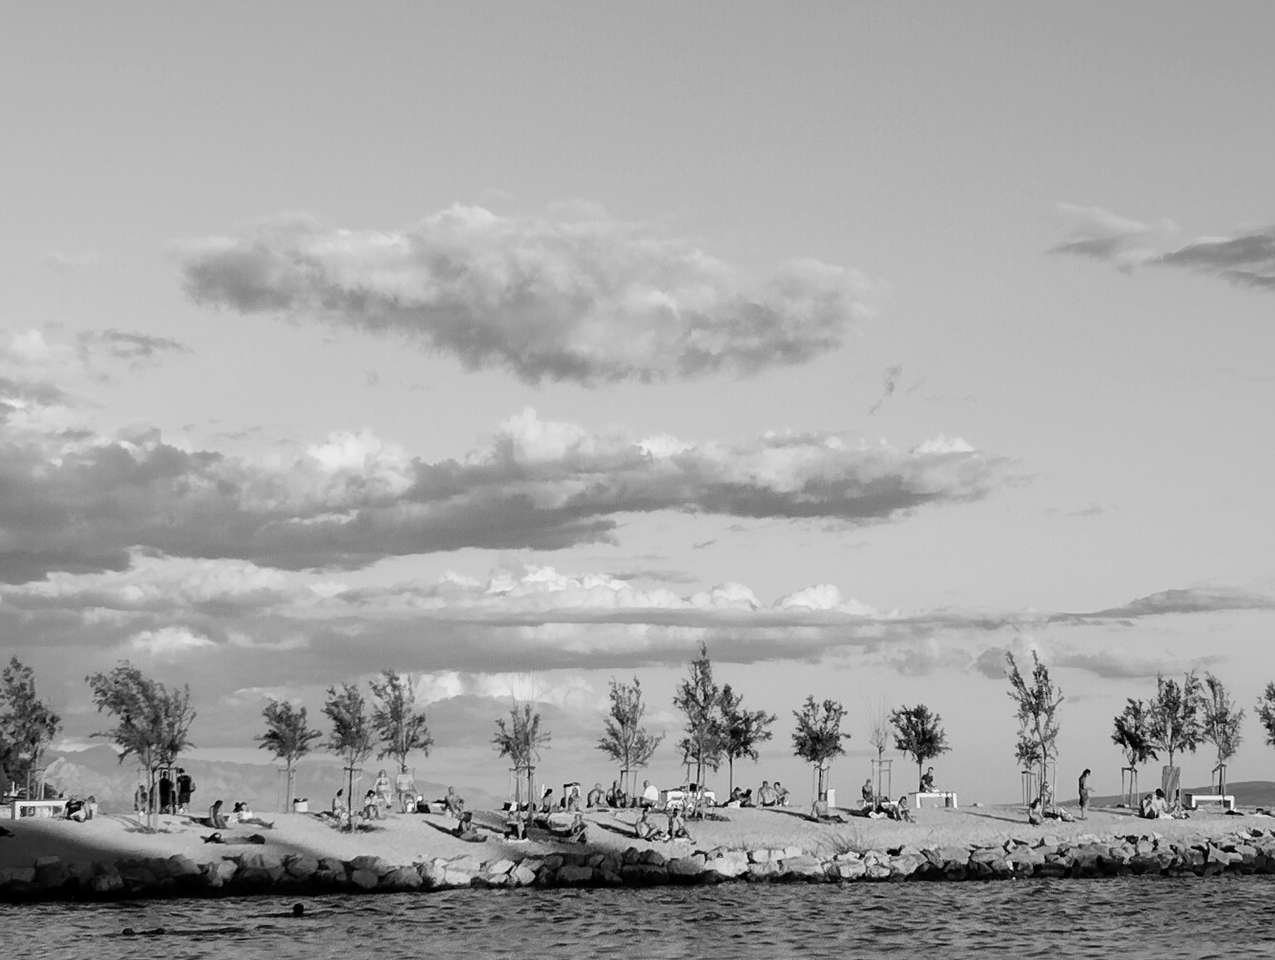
column 298, row 909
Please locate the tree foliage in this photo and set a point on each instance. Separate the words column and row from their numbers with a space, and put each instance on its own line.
column 624, row 738
column 521, row 738
column 1038, row 700
column 742, row 730
column 698, row 698
column 1132, row 733
column 152, row 720
column 1266, row 713
column 919, row 733
column 288, row 736
column 351, row 736
column 402, row 728
column 27, row 724
column 817, row 739
column 1176, row 715
column 1221, row 724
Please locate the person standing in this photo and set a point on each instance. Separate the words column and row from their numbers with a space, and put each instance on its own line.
column 1084, row 794
column 165, row 793
column 406, row 789
column 185, row 787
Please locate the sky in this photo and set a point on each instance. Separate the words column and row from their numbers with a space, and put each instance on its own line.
column 524, row 348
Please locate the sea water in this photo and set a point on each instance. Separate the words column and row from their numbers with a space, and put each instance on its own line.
column 1127, row 918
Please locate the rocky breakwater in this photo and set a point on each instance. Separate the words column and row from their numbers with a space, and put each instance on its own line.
column 1249, row 851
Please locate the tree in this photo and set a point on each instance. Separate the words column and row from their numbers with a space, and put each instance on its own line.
column 879, row 737
column 817, row 739
column 351, row 737
column 1038, row 702
column 1266, row 713
column 919, row 733
column 1221, row 725
column 520, row 740
column 153, row 721
column 288, row 736
column 401, row 727
column 698, row 697
column 1175, row 716
column 1132, row 735
column 27, row 724
column 625, row 740
column 742, row 729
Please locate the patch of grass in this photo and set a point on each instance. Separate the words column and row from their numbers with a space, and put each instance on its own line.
column 833, row 842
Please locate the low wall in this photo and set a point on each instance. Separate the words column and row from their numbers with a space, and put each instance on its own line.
column 49, row 878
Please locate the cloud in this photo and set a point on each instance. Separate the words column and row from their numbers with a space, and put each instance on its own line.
column 133, row 348
column 1179, row 601
column 354, row 499
column 168, row 642
column 587, row 299
column 1246, row 257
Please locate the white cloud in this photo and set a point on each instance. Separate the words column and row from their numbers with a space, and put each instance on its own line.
column 584, row 297
column 169, row 642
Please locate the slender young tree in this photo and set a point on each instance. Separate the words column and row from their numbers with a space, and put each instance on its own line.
column 351, row 737
column 742, row 730
column 402, row 728
column 624, row 738
column 521, row 740
column 27, row 724
column 1266, row 713
column 817, row 739
column 698, row 698
column 1221, row 725
column 1132, row 734
column 288, row 736
column 1175, row 717
column 919, row 733
column 152, row 721
column 1038, row 701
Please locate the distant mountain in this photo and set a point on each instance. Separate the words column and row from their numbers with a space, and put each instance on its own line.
column 97, row 771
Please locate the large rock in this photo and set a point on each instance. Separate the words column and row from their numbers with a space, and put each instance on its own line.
column 685, row 868
column 847, row 869
column 364, row 879
column 762, row 871
column 300, row 866
column 643, row 874
column 802, row 867
column 728, row 866
column 522, row 875
column 401, row 878
column 571, row 875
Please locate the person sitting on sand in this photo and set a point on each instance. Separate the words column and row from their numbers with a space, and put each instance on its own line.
column 643, row 828
column 677, row 826
column 464, row 828
column 453, row 804
column 217, row 819
column 371, row 806
column 594, row 798
column 781, row 794
column 927, row 781
column 747, row 799
column 766, row 794
column 546, row 801
column 1034, row 815
column 650, row 794
column 615, row 796
column 515, row 823
column 902, row 810
column 1154, row 806
column 571, row 801
column 74, row 810
column 869, row 795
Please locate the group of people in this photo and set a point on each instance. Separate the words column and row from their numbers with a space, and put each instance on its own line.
column 80, row 810
column 219, row 819
column 174, row 793
column 1155, row 806
column 877, row 807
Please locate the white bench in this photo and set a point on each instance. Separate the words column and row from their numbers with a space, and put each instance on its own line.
column 1226, row 800
column 947, row 796
column 38, row 808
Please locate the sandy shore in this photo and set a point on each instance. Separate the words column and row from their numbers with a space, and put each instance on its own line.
column 408, row 838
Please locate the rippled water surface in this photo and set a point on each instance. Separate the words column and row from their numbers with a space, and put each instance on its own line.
column 1130, row 919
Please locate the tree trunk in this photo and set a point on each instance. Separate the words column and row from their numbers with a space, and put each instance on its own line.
column 349, row 796
column 730, row 764
column 918, row 774
column 287, row 792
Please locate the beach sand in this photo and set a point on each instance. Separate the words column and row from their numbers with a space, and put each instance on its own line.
column 409, row 838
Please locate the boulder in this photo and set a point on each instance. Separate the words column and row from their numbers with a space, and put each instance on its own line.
column 522, row 875
column 497, row 867
column 643, row 874
column 401, row 878
column 572, row 875
column 802, row 867
column 847, row 869
column 364, row 879
column 762, row 871
column 685, row 867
